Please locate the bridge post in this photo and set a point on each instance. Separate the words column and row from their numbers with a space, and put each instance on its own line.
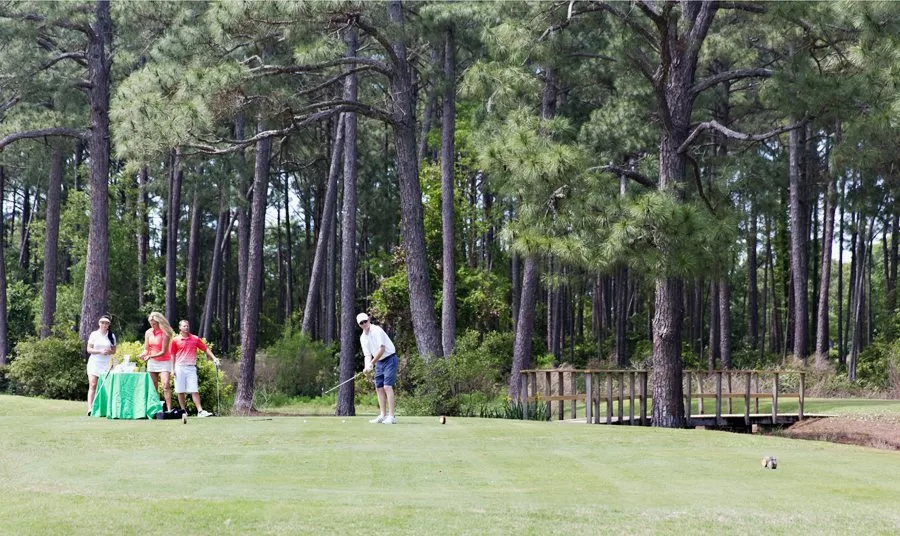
column 631, row 402
column 574, row 393
column 621, row 396
column 775, row 400
column 644, row 382
column 523, row 393
column 747, row 400
column 561, row 391
column 609, row 397
column 802, row 393
column 718, row 398
column 688, row 406
column 588, row 396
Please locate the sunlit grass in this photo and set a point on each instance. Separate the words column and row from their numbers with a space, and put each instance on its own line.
column 61, row 473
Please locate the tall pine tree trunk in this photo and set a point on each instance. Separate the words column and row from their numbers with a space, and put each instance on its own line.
column 51, row 240
column 448, row 162
column 326, row 231
column 349, row 329
column 799, row 253
column 4, row 325
column 174, row 215
column 822, row 327
column 243, row 401
column 753, row 286
column 421, row 300
column 96, row 271
column 725, row 322
column 215, row 270
column 525, row 324
column 143, row 235
column 715, row 347
column 193, row 264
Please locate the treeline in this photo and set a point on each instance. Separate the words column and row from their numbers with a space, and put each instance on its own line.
column 675, row 184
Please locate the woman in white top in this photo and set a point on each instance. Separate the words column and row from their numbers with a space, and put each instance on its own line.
column 101, row 345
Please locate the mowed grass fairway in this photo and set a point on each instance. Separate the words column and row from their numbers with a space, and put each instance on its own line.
column 61, row 473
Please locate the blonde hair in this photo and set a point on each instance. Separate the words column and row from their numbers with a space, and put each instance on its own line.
column 163, row 323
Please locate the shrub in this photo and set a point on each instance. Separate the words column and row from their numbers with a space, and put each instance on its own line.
column 431, row 384
column 4, row 380
column 51, row 368
column 302, row 367
column 206, row 377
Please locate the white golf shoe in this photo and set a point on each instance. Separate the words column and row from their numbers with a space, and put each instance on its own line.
column 390, row 419
column 377, row 419
column 204, row 413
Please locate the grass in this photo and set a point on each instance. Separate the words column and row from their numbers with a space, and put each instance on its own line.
column 61, row 473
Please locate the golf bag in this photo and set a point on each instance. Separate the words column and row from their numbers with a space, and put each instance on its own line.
column 171, row 414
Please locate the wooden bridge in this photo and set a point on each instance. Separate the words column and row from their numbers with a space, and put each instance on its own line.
column 726, row 399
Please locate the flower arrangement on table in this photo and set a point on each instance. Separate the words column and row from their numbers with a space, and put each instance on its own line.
column 129, row 352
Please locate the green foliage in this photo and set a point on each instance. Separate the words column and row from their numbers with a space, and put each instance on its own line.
column 432, row 384
column 303, row 367
column 478, row 367
column 483, row 359
column 20, row 313
column 206, row 378
column 50, row 368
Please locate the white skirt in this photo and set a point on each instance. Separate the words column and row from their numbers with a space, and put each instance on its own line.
column 155, row 365
column 97, row 365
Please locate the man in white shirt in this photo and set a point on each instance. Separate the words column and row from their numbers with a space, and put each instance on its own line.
column 380, row 353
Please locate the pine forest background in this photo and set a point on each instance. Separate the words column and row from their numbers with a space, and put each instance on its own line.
column 502, row 185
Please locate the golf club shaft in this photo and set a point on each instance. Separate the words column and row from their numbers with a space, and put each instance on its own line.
column 343, row 382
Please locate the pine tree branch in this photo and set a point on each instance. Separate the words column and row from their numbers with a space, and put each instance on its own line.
column 263, row 70
column 54, row 131
column 733, row 134
column 59, row 23
column 711, row 81
column 376, row 35
column 752, row 7
column 78, row 57
column 639, row 178
column 331, row 108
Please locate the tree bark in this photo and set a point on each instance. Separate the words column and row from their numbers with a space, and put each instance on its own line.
column 215, row 270
column 448, row 218
column 525, row 324
column 143, row 235
column 858, row 303
column 349, row 333
column 326, row 230
column 51, row 241
column 715, row 348
column 421, row 300
column 799, row 253
column 24, row 238
column 753, row 285
column 725, row 323
column 822, row 327
column 193, row 264
column 840, row 289
column 243, row 402
column 96, row 272
column 174, row 215
column 4, row 324
column 621, row 283
column 668, row 406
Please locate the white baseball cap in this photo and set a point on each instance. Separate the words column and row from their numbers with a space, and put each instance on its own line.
column 361, row 316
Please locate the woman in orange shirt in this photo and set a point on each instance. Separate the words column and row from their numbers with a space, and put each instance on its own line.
column 156, row 351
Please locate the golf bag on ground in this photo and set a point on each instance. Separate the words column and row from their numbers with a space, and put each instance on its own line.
column 171, row 414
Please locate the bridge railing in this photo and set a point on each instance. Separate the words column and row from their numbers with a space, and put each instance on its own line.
column 623, row 396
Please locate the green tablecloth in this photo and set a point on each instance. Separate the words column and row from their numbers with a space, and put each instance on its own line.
column 126, row 395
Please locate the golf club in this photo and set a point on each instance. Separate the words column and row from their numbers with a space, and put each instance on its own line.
column 218, row 401
column 343, row 382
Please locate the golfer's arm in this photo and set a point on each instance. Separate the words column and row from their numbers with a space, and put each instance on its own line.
column 377, row 357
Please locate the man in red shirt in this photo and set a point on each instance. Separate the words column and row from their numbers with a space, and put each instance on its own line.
column 184, row 348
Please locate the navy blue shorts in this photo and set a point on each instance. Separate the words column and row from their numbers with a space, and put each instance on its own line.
column 386, row 371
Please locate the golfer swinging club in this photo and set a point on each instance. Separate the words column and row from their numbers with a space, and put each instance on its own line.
column 380, row 353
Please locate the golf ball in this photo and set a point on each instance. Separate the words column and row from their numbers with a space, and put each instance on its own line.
column 443, row 419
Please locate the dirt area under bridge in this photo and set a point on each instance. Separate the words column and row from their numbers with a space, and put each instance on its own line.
column 872, row 430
